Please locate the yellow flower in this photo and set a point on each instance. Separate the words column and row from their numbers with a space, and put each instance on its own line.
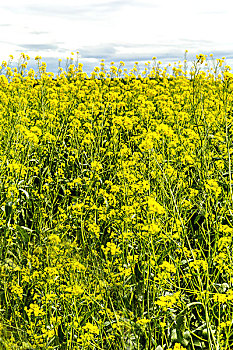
column 212, row 185
column 196, row 264
column 177, row 346
column 220, row 298
column 96, row 166
column 54, row 239
column 201, row 58
column 163, row 324
column 224, row 242
column 91, row 328
column 167, row 301
column 155, row 207
column 112, row 248
column 168, row 267
column 143, row 321
column 18, row 290
column 36, row 130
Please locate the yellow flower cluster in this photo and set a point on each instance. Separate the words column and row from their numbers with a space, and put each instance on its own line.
column 168, row 301
column 116, row 205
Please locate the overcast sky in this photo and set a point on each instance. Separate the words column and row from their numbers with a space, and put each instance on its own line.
column 116, row 30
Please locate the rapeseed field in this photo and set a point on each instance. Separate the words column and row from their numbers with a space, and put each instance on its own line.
column 116, row 206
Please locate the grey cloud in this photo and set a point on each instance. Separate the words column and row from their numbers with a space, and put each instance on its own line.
column 110, row 52
column 220, row 54
column 134, row 57
column 39, row 47
column 208, row 44
column 103, row 51
column 194, row 42
column 90, row 10
column 165, row 53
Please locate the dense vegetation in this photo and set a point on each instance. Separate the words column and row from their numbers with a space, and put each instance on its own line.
column 116, row 208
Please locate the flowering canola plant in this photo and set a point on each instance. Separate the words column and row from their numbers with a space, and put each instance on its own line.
column 116, row 207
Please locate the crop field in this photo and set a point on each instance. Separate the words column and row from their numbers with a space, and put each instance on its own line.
column 116, row 207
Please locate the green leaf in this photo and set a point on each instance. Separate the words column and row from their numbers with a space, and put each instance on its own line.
column 174, row 335
column 197, row 343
